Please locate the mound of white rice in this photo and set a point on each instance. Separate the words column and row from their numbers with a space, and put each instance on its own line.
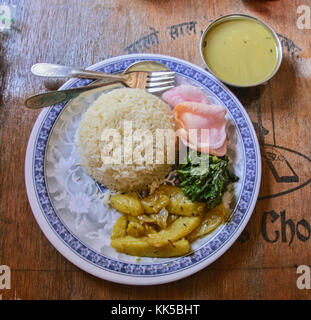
column 110, row 110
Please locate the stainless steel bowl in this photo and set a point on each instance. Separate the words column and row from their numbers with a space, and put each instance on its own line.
column 243, row 16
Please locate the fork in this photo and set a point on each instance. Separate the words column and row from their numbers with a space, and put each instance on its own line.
column 155, row 81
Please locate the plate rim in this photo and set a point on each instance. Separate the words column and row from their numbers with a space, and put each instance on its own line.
column 88, row 266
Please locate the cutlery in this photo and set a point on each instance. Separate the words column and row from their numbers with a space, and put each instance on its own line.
column 154, row 81
column 135, row 79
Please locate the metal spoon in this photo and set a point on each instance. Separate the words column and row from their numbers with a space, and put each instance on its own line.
column 51, row 98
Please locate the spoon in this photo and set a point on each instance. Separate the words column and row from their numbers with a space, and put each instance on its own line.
column 51, row 98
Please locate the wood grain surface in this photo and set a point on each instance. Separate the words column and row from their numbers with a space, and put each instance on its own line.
column 262, row 263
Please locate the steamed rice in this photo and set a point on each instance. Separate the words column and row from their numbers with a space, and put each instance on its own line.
column 110, row 110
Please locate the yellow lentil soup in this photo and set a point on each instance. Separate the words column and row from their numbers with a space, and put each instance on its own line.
column 241, row 51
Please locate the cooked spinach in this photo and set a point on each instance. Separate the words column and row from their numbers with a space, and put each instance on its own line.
column 205, row 177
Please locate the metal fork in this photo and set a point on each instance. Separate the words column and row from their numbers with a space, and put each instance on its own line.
column 152, row 82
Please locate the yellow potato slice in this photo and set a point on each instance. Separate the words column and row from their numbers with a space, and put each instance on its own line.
column 141, row 248
column 211, row 220
column 119, row 228
column 161, row 218
column 135, row 228
column 180, row 204
column 127, row 203
column 155, row 202
column 146, row 219
column 149, row 229
column 177, row 230
column 171, row 218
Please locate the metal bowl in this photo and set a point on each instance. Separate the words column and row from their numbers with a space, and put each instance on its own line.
column 243, row 16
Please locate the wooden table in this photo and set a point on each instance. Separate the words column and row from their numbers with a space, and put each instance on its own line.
column 262, row 263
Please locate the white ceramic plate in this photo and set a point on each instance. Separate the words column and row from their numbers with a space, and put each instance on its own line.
column 68, row 206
